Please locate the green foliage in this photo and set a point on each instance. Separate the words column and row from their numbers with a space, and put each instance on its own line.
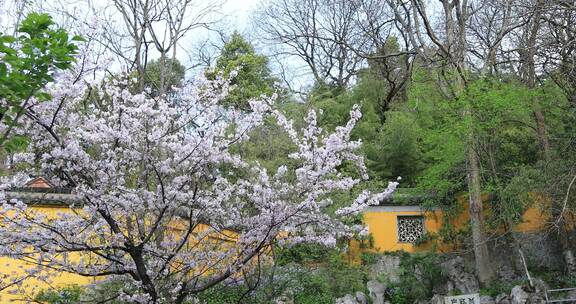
column 254, row 77
column 322, row 282
column 314, row 288
column 107, row 291
column 66, row 295
column 366, row 242
column 399, row 297
column 396, row 150
column 29, row 61
column 500, row 121
column 419, row 273
column 498, row 287
column 227, row 295
column 345, row 278
column 441, row 133
column 369, row 258
column 269, row 145
column 457, row 237
column 303, row 254
column 316, row 274
column 392, row 146
column 173, row 74
column 555, row 279
column 332, row 280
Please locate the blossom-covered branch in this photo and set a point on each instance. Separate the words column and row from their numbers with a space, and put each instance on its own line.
column 164, row 199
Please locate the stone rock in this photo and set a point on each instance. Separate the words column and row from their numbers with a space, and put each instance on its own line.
column 487, row 300
column 361, row 298
column 442, row 288
column 536, row 299
column 387, row 265
column 506, row 273
column 437, row 299
column 571, row 294
column 287, row 297
column 376, row 290
column 458, row 277
column 540, row 285
column 518, row 295
column 502, row 299
column 347, row 299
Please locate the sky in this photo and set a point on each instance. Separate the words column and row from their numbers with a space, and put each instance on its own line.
column 239, row 12
column 237, row 15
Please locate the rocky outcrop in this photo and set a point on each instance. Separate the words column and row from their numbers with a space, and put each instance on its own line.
column 458, row 278
column 502, row 299
column 487, row 300
column 358, row 298
column 518, row 295
column 347, row 299
column 540, row 285
column 286, row 298
column 376, row 291
column 437, row 299
column 361, row 298
column 387, row 266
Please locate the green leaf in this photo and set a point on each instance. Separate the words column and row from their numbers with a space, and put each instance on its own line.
column 16, row 143
column 43, row 96
column 78, row 38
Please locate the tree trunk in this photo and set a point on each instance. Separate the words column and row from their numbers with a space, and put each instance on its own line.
column 566, row 232
column 567, row 252
column 484, row 267
column 162, row 84
column 541, row 131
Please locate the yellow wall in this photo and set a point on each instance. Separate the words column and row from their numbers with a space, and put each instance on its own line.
column 15, row 269
column 382, row 224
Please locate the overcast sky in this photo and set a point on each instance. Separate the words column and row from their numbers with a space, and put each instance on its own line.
column 237, row 16
column 239, row 12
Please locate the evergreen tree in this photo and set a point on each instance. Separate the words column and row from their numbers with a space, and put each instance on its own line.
column 173, row 75
column 253, row 78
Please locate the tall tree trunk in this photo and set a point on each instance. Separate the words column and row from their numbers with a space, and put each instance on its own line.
column 566, row 232
column 528, row 74
column 541, row 131
column 484, row 267
column 163, row 74
column 567, row 252
column 518, row 260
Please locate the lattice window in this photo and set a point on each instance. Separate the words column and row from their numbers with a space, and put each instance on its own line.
column 410, row 228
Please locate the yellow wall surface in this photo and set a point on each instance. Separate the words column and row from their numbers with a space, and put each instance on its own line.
column 12, row 269
column 382, row 224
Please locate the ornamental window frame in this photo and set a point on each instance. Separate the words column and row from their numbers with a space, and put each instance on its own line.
column 407, row 240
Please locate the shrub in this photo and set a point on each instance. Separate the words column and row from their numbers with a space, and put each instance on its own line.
column 65, row 295
column 497, row 287
column 303, row 254
column 419, row 274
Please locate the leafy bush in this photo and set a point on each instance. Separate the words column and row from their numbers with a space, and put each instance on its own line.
column 419, row 274
column 303, row 254
column 226, row 295
column 497, row 287
column 368, row 258
column 66, row 295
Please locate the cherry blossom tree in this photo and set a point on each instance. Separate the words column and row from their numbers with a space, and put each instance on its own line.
column 163, row 200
